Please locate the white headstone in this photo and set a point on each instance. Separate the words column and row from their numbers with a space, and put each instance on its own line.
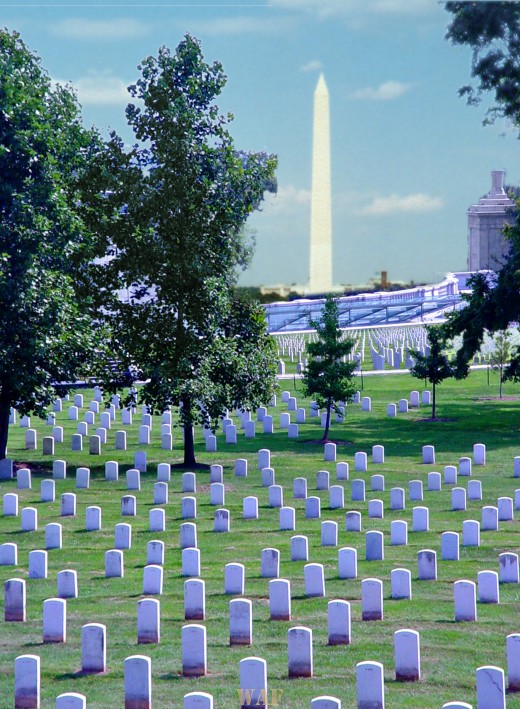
column 299, row 650
column 14, row 600
column 508, row 564
column 152, row 580
column 488, row 587
column 234, row 578
column 428, row 455
column 465, row 600
column 190, row 562
column 253, row 683
column 300, row 488
column 114, row 564
column 241, row 621
column 54, row 620
column 427, row 565
column 336, row 497
column 67, row 583
column 53, row 535
column 123, row 536
column 280, row 599
column 194, row 599
column 194, row 652
column 93, row 648
column 287, row 519
column 313, row 508
column 338, row 622
column 188, row 535
column 342, row 470
column 347, row 563
column 189, row 482
column 450, row 546
column 471, row 533
column 370, row 685
column 513, row 661
column 353, row 521
column 407, row 654
column 491, row 690
column 401, row 582
column 357, row 491
column 360, row 462
column 314, row 578
column 155, row 552
column 47, row 491
column 221, row 521
column 68, row 504
column 270, row 563
column 27, row 681
column 329, row 533
column 138, row 681
column 38, row 564
column 299, row 548
column 450, row 475
column 372, row 599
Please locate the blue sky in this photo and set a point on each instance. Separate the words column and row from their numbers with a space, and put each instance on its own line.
column 408, row 155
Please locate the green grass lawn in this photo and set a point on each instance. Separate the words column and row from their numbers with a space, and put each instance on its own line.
column 451, row 651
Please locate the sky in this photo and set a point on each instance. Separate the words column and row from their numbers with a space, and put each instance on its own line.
column 408, row 156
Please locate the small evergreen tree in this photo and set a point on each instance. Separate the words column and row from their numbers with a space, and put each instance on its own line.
column 434, row 367
column 327, row 377
column 500, row 356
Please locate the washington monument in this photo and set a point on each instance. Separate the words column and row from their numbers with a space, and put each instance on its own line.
column 320, row 280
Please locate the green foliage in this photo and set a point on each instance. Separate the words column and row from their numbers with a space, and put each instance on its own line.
column 493, row 305
column 47, row 333
column 492, row 30
column 435, row 366
column 327, row 378
column 175, row 209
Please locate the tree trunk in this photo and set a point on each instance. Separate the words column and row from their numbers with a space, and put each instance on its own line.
column 433, row 403
column 500, row 385
column 189, row 446
column 327, row 423
column 5, row 407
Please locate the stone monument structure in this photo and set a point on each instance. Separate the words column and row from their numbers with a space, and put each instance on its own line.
column 320, row 280
column 487, row 247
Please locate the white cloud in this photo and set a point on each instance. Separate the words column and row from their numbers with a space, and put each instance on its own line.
column 397, row 204
column 313, row 65
column 288, row 198
column 388, row 91
column 100, row 90
column 81, row 28
column 236, row 26
column 355, row 9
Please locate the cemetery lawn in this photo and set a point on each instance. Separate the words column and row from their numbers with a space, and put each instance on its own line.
column 450, row 652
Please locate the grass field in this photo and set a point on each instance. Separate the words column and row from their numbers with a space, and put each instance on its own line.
column 451, row 651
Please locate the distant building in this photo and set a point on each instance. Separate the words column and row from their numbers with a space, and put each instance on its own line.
column 487, row 247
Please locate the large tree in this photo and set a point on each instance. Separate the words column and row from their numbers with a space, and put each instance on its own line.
column 328, row 377
column 176, row 209
column 493, row 305
column 492, row 31
column 47, row 334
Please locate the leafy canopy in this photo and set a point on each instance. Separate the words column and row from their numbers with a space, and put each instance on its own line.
column 176, row 205
column 492, row 30
column 47, row 333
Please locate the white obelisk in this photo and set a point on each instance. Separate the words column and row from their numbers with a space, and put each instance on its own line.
column 321, row 223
